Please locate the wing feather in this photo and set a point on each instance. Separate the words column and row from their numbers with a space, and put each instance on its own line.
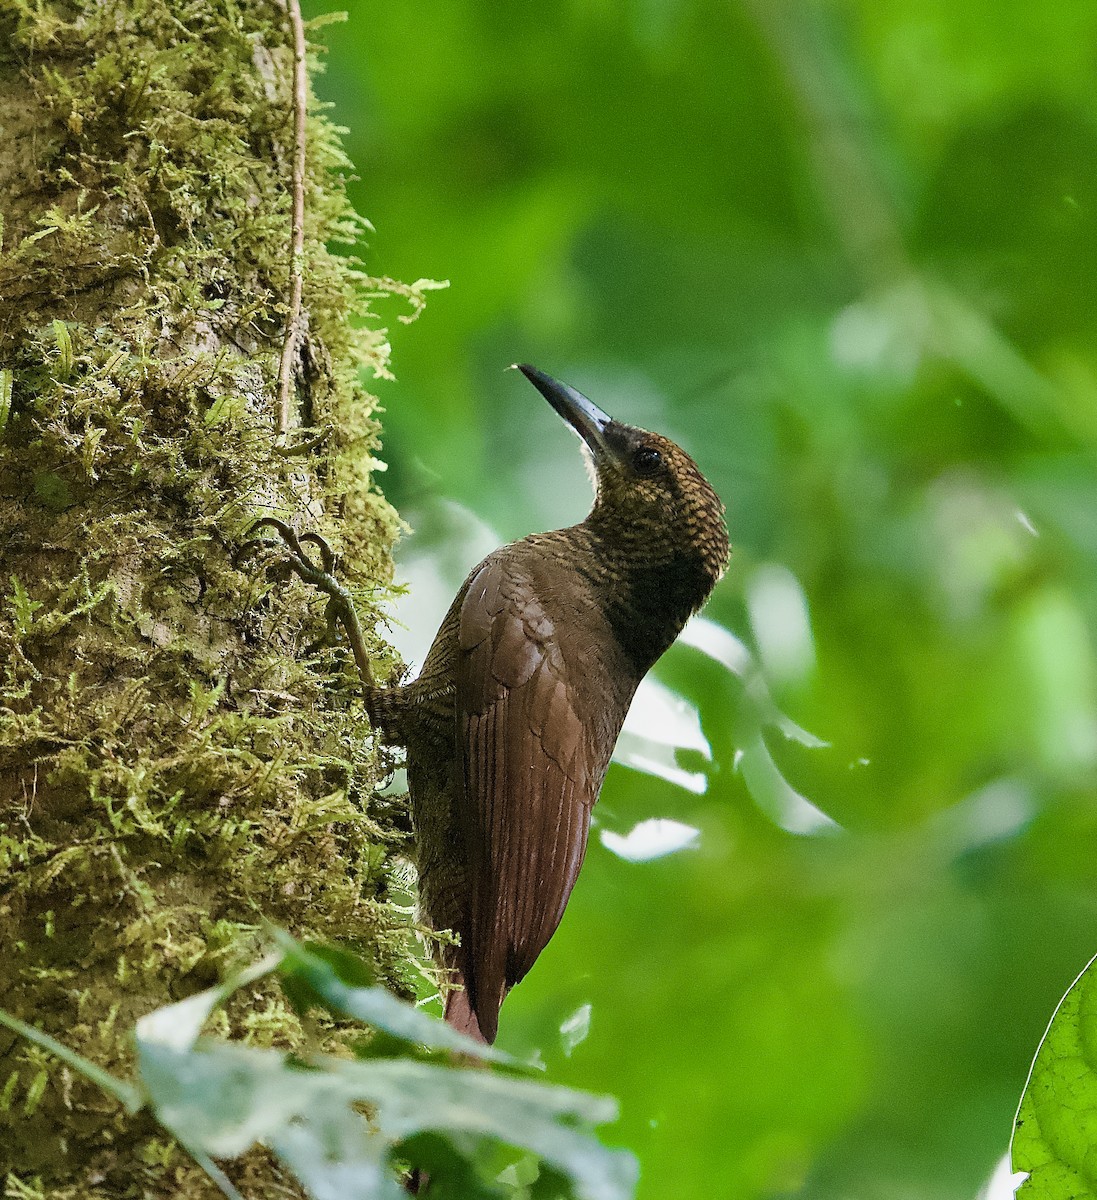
column 530, row 771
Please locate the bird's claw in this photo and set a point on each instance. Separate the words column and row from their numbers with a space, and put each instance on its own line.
column 340, row 607
column 297, row 558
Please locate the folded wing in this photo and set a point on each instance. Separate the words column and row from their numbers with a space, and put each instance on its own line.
column 531, row 776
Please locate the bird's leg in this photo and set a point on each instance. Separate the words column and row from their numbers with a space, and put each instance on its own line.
column 340, row 606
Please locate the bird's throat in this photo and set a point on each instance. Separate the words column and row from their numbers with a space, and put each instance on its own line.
column 651, row 603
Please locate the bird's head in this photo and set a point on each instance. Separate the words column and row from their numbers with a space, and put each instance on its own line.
column 651, row 498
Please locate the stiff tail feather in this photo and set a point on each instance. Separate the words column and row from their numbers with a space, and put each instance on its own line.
column 462, row 1016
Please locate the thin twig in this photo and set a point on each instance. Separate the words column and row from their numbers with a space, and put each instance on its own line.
column 297, row 251
column 306, row 447
column 131, row 1098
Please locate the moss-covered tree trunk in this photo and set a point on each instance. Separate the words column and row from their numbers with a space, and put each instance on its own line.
column 174, row 768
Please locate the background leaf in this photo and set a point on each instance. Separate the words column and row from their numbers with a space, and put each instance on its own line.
column 1056, row 1127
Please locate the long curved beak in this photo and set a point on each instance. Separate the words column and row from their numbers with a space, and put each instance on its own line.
column 585, row 417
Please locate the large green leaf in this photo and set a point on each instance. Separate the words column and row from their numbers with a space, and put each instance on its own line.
column 553, row 1122
column 335, row 1154
column 219, row 1099
column 225, row 1098
column 1055, row 1133
column 325, row 976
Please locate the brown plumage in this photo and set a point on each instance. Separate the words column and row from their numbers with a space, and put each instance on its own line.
column 510, row 725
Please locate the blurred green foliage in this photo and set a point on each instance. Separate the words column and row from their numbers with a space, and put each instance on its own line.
column 845, row 253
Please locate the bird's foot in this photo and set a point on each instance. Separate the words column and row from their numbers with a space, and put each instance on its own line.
column 340, row 608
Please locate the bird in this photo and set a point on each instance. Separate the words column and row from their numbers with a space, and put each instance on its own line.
column 511, row 722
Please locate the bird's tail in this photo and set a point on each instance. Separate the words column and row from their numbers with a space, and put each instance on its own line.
column 462, row 1016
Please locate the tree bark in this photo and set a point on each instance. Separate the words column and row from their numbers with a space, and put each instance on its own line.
column 175, row 767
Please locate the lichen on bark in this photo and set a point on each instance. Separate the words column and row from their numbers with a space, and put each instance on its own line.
column 176, row 767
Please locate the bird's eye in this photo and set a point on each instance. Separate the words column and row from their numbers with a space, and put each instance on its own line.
column 646, row 460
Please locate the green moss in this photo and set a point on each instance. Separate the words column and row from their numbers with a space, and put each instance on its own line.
column 175, row 765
